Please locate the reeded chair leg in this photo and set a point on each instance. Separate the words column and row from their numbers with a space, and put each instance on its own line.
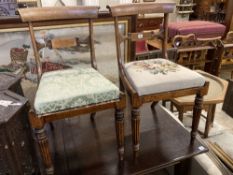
column 119, row 122
column 136, row 128
column 44, row 150
column 153, row 104
column 197, row 108
column 92, row 116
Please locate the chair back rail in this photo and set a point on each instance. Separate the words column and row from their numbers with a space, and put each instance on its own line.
column 31, row 15
column 140, row 8
column 136, row 9
column 58, row 13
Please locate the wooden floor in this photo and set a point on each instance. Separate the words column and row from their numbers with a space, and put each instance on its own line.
column 81, row 146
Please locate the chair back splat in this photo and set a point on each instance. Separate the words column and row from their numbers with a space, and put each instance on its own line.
column 152, row 80
column 141, row 8
column 59, row 13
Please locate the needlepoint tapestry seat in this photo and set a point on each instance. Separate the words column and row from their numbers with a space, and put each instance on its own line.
column 161, row 75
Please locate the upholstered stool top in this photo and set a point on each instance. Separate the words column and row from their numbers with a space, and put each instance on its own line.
column 160, row 75
column 59, row 90
column 202, row 29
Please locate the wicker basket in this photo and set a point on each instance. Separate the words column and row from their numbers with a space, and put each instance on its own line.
column 18, row 55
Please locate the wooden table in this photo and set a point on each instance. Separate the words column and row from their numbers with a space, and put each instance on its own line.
column 85, row 147
column 17, row 154
column 228, row 102
column 216, row 94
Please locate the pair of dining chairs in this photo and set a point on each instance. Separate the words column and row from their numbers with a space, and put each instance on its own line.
column 68, row 93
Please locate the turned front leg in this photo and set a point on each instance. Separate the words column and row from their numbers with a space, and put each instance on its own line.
column 136, row 128
column 44, row 150
column 119, row 120
column 197, row 108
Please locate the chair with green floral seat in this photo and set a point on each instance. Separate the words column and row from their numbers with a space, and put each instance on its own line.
column 154, row 79
column 71, row 92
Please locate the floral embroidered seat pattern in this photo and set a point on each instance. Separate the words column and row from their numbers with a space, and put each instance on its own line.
column 160, row 75
column 82, row 87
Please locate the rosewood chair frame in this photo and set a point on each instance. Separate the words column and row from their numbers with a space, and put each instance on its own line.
column 38, row 122
column 136, row 100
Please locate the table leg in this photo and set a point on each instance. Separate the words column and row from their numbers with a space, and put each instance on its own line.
column 183, row 168
column 213, row 114
column 209, row 119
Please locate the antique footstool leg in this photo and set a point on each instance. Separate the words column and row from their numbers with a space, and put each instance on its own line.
column 153, row 104
column 119, row 121
column 92, row 116
column 197, row 108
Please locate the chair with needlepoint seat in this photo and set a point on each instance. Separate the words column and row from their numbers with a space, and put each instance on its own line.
column 68, row 93
column 154, row 79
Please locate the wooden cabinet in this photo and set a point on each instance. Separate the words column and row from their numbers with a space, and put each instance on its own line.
column 228, row 102
column 144, row 23
column 211, row 10
column 17, row 154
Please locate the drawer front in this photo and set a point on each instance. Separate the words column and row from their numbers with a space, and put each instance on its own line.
column 148, row 23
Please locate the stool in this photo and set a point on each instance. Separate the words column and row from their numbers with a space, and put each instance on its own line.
column 17, row 154
column 216, row 94
column 9, row 81
column 201, row 29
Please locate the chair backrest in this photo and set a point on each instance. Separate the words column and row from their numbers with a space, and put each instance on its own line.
column 33, row 15
column 136, row 9
column 227, row 50
column 192, row 52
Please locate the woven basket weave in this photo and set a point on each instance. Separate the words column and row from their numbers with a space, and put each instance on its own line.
column 18, row 55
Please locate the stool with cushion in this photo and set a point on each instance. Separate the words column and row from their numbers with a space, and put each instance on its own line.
column 70, row 92
column 155, row 79
column 202, row 29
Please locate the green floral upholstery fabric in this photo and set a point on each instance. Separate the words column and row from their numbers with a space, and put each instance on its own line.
column 60, row 90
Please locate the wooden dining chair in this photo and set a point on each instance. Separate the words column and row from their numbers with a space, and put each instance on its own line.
column 68, row 93
column 154, row 79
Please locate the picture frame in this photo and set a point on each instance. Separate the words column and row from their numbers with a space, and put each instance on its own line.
column 104, row 40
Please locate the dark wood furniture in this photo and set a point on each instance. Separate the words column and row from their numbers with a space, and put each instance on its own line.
column 227, row 53
column 211, row 10
column 138, row 100
column 198, row 53
column 228, row 102
column 216, row 94
column 9, row 81
column 38, row 122
column 201, row 54
column 148, row 23
column 164, row 143
column 17, row 153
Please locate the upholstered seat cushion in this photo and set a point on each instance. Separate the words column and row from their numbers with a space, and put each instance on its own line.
column 201, row 29
column 60, row 90
column 160, row 75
